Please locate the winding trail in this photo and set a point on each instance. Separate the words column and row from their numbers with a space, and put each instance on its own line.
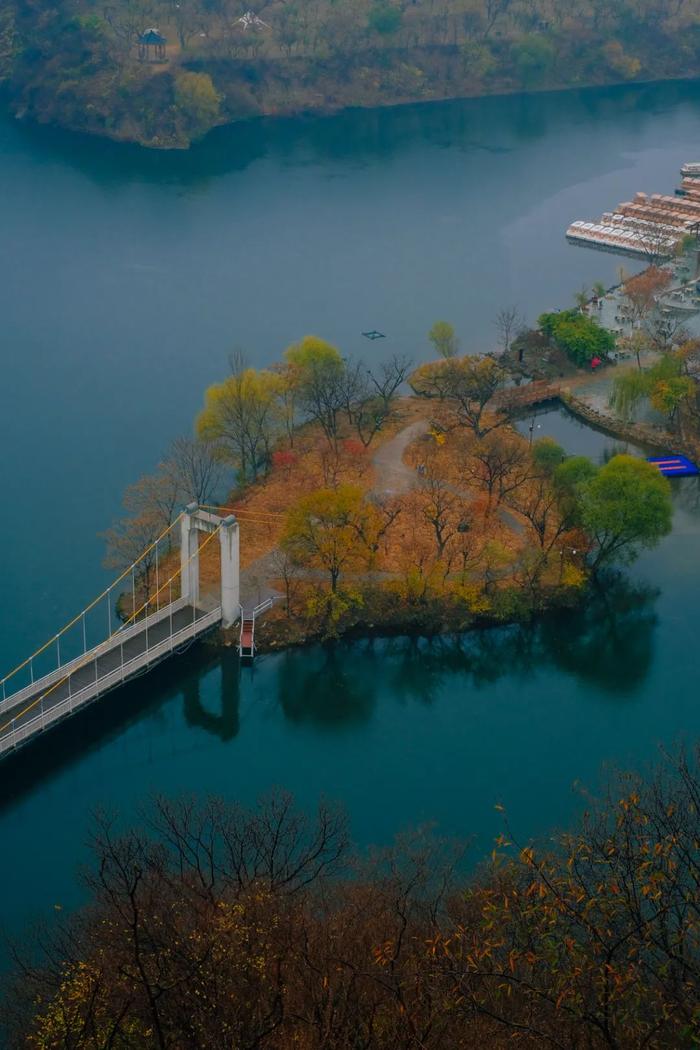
column 393, row 477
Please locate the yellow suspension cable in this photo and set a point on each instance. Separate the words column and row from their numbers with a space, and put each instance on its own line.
column 95, row 652
column 243, row 510
column 91, row 606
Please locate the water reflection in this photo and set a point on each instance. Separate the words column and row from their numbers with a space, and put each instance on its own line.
column 356, row 137
column 226, row 724
column 686, row 495
column 609, row 641
column 322, row 687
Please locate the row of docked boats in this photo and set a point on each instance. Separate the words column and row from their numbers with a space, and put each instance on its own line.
column 648, row 227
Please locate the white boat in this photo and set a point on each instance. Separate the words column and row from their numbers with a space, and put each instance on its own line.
column 691, row 171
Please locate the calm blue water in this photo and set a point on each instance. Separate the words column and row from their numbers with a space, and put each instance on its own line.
column 126, row 277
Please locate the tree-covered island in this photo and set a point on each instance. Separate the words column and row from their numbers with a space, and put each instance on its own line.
column 163, row 73
column 364, row 509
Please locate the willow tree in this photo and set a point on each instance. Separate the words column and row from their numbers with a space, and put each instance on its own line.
column 625, row 507
column 242, row 417
column 320, row 377
column 665, row 386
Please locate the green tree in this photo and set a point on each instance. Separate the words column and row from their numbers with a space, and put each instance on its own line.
column 198, row 101
column 624, row 507
column 384, row 19
column 534, row 57
column 442, row 336
column 569, row 478
column 579, row 336
column 547, row 455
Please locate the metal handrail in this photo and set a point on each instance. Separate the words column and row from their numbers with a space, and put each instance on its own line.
column 20, row 734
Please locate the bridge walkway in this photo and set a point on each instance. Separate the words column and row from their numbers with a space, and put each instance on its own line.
column 124, row 655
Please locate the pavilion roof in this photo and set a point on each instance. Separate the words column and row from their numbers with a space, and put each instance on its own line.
column 152, row 36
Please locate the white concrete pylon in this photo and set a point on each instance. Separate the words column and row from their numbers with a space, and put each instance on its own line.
column 229, row 537
column 195, row 521
column 189, row 554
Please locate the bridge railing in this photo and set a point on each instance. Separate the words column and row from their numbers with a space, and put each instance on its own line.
column 120, row 636
column 79, row 623
column 17, row 735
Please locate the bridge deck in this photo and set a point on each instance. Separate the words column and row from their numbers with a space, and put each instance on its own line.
column 75, row 684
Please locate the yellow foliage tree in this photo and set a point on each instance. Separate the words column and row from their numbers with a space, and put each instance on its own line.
column 242, row 416
column 334, row 530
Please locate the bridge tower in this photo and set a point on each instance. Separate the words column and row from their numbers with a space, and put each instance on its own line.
column 194, row 520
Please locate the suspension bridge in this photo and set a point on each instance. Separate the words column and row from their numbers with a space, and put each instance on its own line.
column 154, row 609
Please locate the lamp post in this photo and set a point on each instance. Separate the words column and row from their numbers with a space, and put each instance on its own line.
column 532, row 429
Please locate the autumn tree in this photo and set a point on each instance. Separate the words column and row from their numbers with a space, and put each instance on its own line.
column 643, row 291
column 241, row 417
column 508, row 322
column 440, row 505
column 665, row 385
column 319, row 375
column 266, row 925
column 195, row 467
column 188, row 17
column 538, row 503
column 370, row 394
column 150, row 505
column 332, row 530
column 499, row 464
column 467, row 384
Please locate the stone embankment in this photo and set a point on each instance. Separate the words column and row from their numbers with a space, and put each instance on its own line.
column 641, row 433
column 540, row 391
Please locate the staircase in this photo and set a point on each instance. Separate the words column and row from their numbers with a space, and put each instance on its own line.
column 246, row 642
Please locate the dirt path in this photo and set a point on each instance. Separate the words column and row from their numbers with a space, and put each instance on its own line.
column 392, row 476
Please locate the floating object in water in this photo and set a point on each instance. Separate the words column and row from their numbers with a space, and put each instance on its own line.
column 674, row 466
column 374, row 335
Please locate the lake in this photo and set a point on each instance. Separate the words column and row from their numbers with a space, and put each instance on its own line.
column 126, row 277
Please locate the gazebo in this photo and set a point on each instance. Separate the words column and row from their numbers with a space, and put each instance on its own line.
column 152, row 46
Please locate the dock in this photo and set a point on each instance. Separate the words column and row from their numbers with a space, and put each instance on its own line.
column 650, row 226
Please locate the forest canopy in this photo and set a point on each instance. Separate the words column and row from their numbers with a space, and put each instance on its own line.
column 218, row 926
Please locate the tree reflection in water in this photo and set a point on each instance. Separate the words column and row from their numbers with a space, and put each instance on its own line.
column 330, row 686
column 608, row 642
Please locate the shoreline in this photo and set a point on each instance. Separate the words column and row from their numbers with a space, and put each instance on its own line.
column 323, row 111
column 269, row 642
column 436, row 619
